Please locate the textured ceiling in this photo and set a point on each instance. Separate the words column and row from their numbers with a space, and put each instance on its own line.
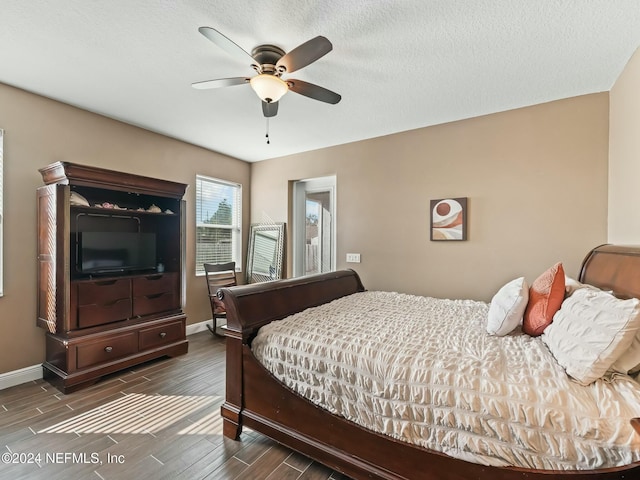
column 398, row 64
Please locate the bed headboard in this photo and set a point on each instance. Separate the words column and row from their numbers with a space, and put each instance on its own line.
column 615, row 268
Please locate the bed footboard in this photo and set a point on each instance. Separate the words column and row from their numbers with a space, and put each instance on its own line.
column 251, row 306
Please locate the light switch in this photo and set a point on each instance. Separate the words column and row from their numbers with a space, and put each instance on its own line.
column 353, row 258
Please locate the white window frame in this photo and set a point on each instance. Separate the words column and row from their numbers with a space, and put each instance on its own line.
column 235, row 227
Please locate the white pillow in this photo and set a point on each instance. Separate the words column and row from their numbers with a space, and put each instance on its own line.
column 571, row 285
column 629, row 361
column 507, row 307
column 591, row 331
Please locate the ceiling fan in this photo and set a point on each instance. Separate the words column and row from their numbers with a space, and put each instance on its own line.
column 271, row 62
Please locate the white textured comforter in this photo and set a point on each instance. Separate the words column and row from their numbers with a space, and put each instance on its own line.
column 425, row 371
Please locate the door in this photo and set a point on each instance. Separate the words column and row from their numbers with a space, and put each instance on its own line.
column 314, row 226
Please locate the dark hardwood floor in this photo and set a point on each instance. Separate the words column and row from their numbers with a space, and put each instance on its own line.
column 159, row 420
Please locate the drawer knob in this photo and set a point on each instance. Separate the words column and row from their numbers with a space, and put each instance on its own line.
column 108, row 349
column 163, row 334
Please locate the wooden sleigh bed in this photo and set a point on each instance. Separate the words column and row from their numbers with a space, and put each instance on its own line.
column 257, row 400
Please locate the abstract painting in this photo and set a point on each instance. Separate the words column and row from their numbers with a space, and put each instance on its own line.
column 449, row 219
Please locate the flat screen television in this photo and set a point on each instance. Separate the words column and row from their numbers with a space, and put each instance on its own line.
column 111, row 252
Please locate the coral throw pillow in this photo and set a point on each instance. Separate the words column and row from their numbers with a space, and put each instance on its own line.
column 545, row 297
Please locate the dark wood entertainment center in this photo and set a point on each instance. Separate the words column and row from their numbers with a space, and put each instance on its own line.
column 108, row 313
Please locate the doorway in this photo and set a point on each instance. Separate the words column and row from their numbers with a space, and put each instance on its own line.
column 314, row 233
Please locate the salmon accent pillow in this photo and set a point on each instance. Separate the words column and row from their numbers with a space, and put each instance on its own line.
column 545, row 297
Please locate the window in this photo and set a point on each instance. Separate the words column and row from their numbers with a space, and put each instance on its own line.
column 218, row 222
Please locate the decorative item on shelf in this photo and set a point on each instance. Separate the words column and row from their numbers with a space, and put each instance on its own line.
column 105, row 205
column 160, row 267
column 76, row 199
column 449, row 219
column 154, row 209
column 168, row 211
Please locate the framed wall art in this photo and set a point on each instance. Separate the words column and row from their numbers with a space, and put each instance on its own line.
column 449, row 219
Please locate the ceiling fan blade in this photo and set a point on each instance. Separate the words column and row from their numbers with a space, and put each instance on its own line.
column 221, row 82
column 304, row 54
column 227, row 45
column 269, row 109
column 313, row 91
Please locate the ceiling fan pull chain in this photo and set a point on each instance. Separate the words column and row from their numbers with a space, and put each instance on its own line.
column 267, row 135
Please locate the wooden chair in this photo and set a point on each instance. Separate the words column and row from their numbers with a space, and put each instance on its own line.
column 218, row 275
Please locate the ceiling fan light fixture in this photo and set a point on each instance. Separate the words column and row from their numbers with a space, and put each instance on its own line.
column 269, row 87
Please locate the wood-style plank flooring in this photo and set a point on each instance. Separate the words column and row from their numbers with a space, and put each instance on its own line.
column 158, row 420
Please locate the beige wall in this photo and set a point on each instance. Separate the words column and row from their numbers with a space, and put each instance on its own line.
column 39, row 131
column 624, row 155
column 536, row 179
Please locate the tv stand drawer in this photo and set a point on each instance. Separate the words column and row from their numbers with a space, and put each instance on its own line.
column 103, row 291
column 154, row 284
column 106, row 349
column 151, row 304
column 161, row 335
column 92, row 315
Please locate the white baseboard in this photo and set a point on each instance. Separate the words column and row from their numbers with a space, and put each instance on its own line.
column 198, row 327
column 24, row 375
column 34, row 372
column 205, row 327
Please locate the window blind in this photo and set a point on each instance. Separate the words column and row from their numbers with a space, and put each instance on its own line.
column 218, row 222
